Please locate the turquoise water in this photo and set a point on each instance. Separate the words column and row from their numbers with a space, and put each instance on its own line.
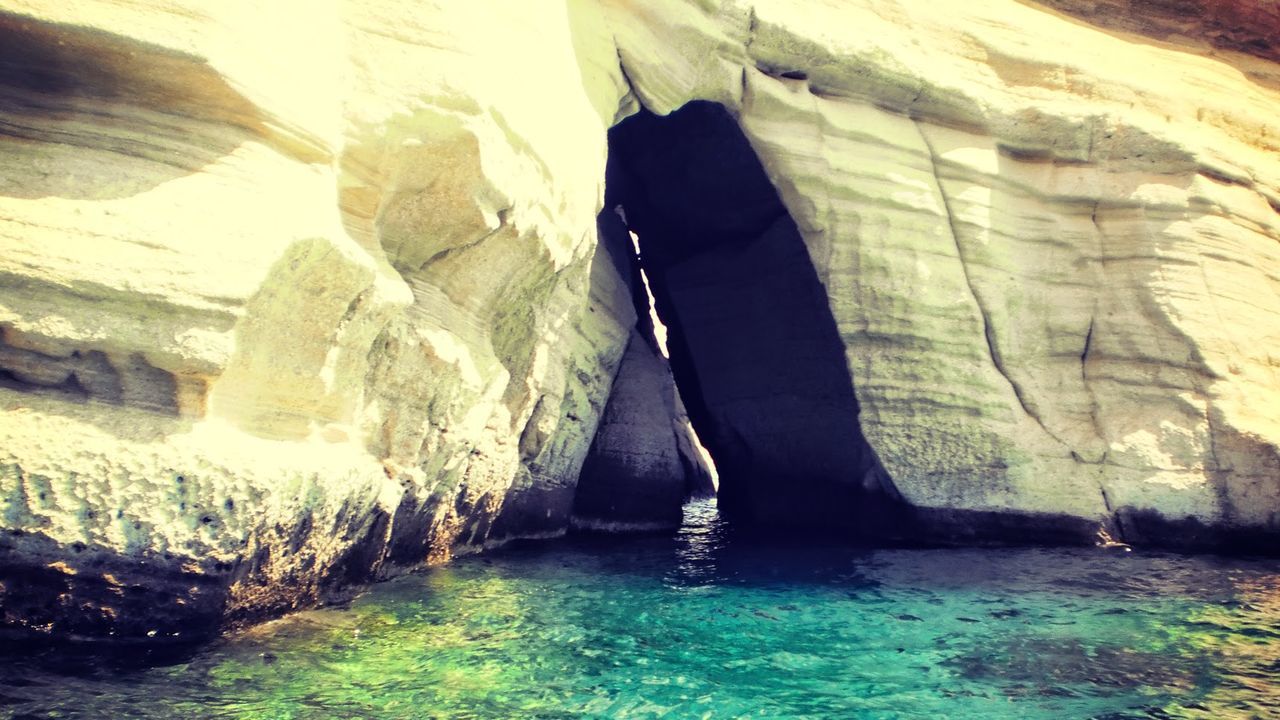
column 699, row 627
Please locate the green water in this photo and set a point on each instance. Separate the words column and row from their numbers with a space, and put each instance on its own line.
column 699, row 627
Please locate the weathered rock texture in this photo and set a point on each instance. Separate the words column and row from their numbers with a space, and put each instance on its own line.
column 634, row 476
column 286, row 310
column 753, row 341
column 283, row 310
column 644, row 461
column 1244, row 26
column 1055, row 275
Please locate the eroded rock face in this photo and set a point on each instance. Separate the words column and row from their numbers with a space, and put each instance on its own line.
column 1244, row 26
column 280, row 319
column 1042, row 266
column 285, row 311
column 634, row 475
column 753, row 342
column 645, row 460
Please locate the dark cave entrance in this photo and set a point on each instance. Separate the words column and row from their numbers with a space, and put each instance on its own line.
column 754, row 347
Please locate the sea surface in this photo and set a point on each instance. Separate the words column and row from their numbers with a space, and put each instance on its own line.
column 705, row 625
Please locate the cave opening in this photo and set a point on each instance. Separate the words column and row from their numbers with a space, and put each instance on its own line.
column 752, row 342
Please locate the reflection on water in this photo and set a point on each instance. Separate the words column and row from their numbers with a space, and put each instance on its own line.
column 700, row 627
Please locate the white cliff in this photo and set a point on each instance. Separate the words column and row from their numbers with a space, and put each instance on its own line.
column 299, row 294
column 1051, row 253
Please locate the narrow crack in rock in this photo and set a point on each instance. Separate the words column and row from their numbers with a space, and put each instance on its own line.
column 987, row 329
column 1105, row 538
column 752, row 22
column 1219, row 474
column 1117, row 521
column 1093, row 397
column 1100, row 282
column 625, row 108
column 1088, row 338
column 622, row 68
column 1106, row 501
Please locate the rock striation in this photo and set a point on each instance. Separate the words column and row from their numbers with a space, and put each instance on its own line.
column 1042, row 262
column 281, row 315
column 281, row 312
column 1240, row 26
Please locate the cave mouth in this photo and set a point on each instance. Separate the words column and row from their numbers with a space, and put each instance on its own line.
column 753, row 345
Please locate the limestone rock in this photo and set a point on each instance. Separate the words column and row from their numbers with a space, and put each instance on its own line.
column 633, row 477
column 282, row 311
column 700, row 477
column 1050, row 250
column 1244, row 26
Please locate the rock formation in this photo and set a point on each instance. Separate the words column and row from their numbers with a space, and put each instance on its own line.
column 645, row 460
column 634, row 474
column 1241, row 26
column 296, row 296
column 287, row 310
column 753, row 341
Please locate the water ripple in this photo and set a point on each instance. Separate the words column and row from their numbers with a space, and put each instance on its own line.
column 706, row 626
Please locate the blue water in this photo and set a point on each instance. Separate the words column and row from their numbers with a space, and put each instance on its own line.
column 700, row 627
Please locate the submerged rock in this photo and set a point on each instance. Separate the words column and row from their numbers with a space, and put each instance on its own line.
column 284, row 312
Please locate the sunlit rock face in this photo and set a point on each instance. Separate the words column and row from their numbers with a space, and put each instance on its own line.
column 1050, row 251
column 286, row 311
